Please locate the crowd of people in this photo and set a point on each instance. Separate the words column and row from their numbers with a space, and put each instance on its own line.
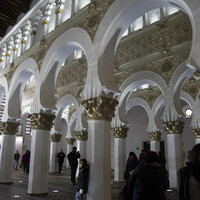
column 146, row 178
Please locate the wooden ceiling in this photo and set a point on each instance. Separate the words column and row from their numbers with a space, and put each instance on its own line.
column 9, row 11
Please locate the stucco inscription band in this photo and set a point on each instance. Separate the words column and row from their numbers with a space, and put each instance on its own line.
column 120, row 132
column 9, row 128
column 155, row 136
column 70, row 141
column 100, row 108
column 196, row 133
column 174, row 127
column 42, row 121
column 55, row 137
column 81, row 135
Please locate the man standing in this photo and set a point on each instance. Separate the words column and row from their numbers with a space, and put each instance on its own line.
column 73, row 162
column 61, row 157
column 16, row 159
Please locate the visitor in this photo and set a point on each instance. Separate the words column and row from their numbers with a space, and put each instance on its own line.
column 150, row 179
column 61, row 157
column 131, row 164
column 83, row 179
column 188, row 177
column 16, row 160
column 73, row 162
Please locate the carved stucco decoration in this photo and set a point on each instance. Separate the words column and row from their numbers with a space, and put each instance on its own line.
column 9, row 128
column 149, row 95
column 120, row 132
column 81, row 135
column 55, row 137
column 155, row 136
column 174, row 127
column 161, row 41
column 70, row 141
column 100, row 108
column 192, row 87
column 42, row 121
column 94, row 17
column 164, row 67
column 196, row 133
column 41, row 52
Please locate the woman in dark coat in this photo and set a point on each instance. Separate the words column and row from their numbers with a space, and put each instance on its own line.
column 83, row 179
column 131, row 164
column 150, row 179
column 188, row 186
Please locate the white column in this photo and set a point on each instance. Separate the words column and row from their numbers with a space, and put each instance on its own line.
column 174, row 130
column 119, row 134
column 175, row 156
column 38, row 174
column 54, row 149
column 100, row 111
column 155, row 146
column 99, row 160
column 119, row 159
column 6, row 158
column 8, row 130
column 155, row 138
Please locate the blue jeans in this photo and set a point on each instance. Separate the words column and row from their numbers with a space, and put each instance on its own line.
column 79, row 196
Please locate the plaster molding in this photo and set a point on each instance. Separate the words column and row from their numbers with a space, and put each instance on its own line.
column 81, row 135
column 70, row 141
column 100, row 108
column 192, row 86
column 42, row 121
column 174, row 127
column 9, row 128
column 55, row 137
column 120, row 132
column 196, row 133
column 155, row 136
column 94, row 17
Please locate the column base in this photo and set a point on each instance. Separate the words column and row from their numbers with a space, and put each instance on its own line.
column 6, row 183
column 38, row 194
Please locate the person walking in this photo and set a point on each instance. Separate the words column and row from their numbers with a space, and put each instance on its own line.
column 61, row 157
column 26, row 161
column 188, row 177
column 131, row 164
column 83, row 179
column 73, row 162
column 16, row 160
column 150, row 179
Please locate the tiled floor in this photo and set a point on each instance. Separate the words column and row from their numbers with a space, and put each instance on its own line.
column 60, row 182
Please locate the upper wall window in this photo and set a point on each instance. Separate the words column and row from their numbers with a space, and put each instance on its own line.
column 152, row 16
column 170, row 11
column 137, row 24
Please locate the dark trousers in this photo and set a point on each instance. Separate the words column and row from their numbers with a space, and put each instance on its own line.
column 73, row 173
column 60, row 167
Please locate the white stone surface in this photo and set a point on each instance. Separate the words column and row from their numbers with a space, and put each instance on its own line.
column 6, row 158
column 37, row 183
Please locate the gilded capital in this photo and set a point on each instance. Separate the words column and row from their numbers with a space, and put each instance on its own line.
column 100, row 108
column 70, row 140
column 120, row 132
column 155, row 136
column 42, row 121
column 9, row 128
column 81, row 135
column 174, row 127
column 196, row 133
column 55, row 137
